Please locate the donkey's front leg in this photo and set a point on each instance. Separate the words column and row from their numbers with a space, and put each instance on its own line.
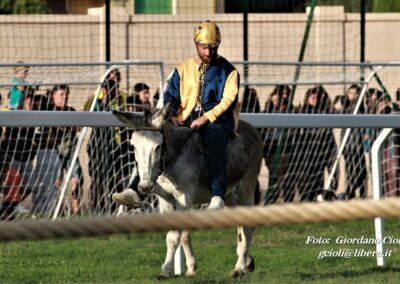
column 173, row 238
column 191, row 264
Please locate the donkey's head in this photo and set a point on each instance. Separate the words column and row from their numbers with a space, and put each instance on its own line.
column 147, row 140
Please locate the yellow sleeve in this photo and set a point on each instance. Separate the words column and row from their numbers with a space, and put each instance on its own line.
column 231, row 90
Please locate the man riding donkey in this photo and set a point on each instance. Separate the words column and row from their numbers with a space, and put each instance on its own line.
column 203, row 92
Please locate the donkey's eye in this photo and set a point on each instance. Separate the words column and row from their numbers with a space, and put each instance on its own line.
column 158, row 147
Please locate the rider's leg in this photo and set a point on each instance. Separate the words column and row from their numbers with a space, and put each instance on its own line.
column 215, row 139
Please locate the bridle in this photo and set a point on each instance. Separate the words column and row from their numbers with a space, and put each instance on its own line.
column 167, row 164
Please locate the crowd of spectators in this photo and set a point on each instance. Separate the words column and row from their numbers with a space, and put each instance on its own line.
column 34, row 160
column 299, row 160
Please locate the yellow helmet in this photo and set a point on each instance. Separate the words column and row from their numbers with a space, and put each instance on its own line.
column 207, row 33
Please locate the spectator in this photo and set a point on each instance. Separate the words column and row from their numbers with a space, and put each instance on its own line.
column 140, row 97
column 398, row 97
column 384, row 106
column 372, row 98
column 315, row 149
column 11, row 182
column 396, row 141
column 371, row 104
column 250, row 102
column 66, row 141
column 2, row 107
column 103, row 150
column 110, row 97
column 18, row 82
column 354, row 152
column 122, row 95
column 278, row 147
column 48, row 163
column 17, row 153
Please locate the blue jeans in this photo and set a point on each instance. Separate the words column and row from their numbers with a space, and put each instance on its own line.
column 215, row 140
column 44, row 195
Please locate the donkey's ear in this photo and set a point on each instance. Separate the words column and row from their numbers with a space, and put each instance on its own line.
column 130, row 119
column 161, row 116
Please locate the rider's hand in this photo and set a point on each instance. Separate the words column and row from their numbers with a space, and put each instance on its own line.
column 199, row 122
column 175, row 121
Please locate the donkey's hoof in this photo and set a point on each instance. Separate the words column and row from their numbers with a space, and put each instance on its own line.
column 236, row 273
column 190, row 274
column 163, row 276
column 250, row 264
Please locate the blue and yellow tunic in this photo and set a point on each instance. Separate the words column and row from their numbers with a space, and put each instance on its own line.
column 220, row 90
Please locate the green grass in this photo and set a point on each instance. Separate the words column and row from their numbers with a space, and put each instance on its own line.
column 281, row 255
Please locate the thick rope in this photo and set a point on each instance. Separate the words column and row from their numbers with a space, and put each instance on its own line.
column 204, row 219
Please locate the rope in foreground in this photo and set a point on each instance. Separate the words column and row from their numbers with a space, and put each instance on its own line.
column 204, row 219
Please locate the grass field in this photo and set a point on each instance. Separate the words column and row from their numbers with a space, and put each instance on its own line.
column 280, row 252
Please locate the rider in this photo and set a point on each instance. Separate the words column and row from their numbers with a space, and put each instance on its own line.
column 203, row 92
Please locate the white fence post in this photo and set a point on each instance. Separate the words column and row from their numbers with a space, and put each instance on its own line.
column 179, row 260
column 377, row 191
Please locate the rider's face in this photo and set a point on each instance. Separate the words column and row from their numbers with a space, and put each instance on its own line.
column 207, row 53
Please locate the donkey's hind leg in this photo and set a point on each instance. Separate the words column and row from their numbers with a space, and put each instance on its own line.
column 244, row 261
column 245, row 197
column 172, row 240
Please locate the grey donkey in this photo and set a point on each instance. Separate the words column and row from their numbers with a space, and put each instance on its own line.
column 172, row 163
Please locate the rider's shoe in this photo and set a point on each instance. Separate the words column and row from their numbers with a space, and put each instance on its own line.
column 128, row 197
column 216, row 203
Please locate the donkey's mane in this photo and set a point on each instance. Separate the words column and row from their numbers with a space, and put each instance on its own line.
column 175, row 139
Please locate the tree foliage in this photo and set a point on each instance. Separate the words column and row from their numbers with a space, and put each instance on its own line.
column 6, row 7
column 374, row 6
column 350, row 6
column 24, row 7
column 386, row 6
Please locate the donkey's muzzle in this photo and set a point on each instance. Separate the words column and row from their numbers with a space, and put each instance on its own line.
column 145, row 186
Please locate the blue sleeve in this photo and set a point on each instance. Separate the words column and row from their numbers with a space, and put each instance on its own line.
column 172, row 95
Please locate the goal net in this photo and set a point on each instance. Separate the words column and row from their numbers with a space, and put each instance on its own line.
column 152, row 30
column 299, row 164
